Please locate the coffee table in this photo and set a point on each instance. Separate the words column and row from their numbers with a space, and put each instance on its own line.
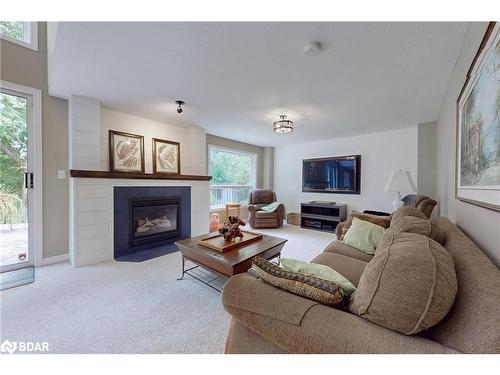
column 229, row 263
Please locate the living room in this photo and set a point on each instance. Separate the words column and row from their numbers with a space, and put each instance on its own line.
column 200, row 187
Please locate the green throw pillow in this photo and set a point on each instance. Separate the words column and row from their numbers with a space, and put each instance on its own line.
column 363, row 236
column 321, row 271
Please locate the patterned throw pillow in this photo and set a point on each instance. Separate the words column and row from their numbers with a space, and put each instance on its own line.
column 311, row 287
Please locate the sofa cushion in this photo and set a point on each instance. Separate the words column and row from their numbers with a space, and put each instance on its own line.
column 341, row 248
column 383, row 221
column 411, row 224
column 407, row 211
column 308, row 286
column 437, row 234
column 321, row 271
column 363, row 235
column 473, row 324
column 412, row 220
column 350, row 268
column 409, row 286
column 239, row 293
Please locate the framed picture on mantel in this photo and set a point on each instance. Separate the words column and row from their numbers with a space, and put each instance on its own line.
column 478, row 127
column 166, row 157
column 126, row 152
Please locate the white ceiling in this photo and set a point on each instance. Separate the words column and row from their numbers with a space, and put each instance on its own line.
column 237, row 78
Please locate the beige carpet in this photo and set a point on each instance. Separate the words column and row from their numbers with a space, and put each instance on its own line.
column 117, row 307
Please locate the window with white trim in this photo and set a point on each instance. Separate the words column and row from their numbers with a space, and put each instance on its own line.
column 233, row 175
column 20, row 32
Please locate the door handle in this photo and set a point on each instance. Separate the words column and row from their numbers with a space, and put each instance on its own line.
column 28, row 180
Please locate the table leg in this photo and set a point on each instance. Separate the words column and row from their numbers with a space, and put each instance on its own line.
column 183, row 268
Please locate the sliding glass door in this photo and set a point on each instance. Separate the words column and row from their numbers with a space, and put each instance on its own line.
column 16, row 180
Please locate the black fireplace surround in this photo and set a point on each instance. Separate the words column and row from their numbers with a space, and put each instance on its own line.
column 148, row 217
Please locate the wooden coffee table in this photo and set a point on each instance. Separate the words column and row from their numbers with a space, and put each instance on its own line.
column 229, row 263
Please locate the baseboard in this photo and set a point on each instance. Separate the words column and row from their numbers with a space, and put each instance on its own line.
column 55, row 259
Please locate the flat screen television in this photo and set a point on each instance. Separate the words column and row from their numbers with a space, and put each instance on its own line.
column 339, row 174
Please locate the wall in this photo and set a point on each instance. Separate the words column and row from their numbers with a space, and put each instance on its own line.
column 480, row 224
column 192, row 140
column 27, row 67
column 381, row 153
column 427, row 159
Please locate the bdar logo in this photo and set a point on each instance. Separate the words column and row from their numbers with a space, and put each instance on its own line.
column 8, row 347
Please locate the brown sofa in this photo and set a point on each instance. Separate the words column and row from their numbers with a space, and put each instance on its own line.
column 266, row 319
column 263, row 219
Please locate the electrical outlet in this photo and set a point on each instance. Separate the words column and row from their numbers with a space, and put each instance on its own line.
column 61, row 174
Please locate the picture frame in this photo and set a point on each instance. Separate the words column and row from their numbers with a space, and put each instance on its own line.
column 477, row 165
column 166, row 157
column 126, row 152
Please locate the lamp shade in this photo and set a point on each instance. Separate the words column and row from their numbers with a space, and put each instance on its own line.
column 400, row 181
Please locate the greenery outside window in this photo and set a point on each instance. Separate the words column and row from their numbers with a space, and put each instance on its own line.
column 233, row 175
column 20, row 32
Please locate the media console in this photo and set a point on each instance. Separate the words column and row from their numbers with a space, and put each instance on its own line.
column 321, row 215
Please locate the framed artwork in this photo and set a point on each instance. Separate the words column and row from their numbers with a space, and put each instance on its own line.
column 166, row 157
column 478, row 127
column 126, row 152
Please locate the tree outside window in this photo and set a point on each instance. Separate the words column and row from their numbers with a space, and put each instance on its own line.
column 232, row 176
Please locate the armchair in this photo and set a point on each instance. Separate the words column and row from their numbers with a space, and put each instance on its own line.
column 263, row 219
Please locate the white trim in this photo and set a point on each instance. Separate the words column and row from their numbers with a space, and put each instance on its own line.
column 31, row 42
column 36, row 167
column 55, row 259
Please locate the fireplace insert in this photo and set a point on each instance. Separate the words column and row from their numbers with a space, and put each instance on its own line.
column 149, row 219
column 153, row 220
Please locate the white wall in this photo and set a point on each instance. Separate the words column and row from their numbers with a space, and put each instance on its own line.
column 427, row 159
column 192, row 139
column 381, row 153
column 480, row 224
column 84, row 132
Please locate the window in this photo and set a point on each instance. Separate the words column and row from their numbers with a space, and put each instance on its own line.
column 233, row 175
column 23, row 33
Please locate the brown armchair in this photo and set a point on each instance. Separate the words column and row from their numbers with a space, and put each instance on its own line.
column 263, row 219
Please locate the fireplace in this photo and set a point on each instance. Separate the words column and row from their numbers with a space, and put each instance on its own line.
column 150, row 217
column 153, row 220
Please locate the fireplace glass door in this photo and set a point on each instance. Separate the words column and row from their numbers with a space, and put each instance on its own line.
column 153, row 220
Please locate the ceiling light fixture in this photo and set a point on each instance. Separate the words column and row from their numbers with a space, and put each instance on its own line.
column 283, row 126
column 179, row 103
column 312, row 49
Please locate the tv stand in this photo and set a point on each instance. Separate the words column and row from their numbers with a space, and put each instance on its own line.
column 322, row 215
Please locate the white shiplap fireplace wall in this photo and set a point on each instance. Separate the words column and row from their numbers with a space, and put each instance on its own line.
column 91, row 199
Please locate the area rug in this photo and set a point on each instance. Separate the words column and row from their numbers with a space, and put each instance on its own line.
column 15, row 278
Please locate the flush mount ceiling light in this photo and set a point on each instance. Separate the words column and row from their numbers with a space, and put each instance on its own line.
column 283, row 126
column 179, row 103
column 312, row 49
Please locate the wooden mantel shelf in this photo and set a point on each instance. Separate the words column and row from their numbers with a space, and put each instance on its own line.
column 143, row 176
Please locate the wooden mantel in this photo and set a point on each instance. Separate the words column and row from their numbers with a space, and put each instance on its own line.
column 143, row 176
